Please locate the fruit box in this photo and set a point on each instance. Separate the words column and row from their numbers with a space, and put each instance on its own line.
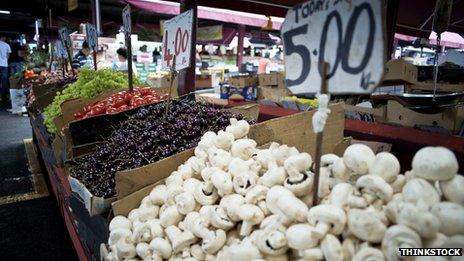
column 243, row 81
column 238, row 93
column 94, row 205
column 275, row 79
column 400, row 70
column 294, row 130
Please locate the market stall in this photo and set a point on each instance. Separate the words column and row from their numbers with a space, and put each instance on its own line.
column 165, row 172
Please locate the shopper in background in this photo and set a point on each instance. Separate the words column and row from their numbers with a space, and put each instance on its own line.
column 83, row 58
column 264, row 62
column 16, row 61
column 122, row 64
column 5, row 51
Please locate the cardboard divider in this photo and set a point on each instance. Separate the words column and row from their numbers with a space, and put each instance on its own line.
column 294, row 130
column 249, row 111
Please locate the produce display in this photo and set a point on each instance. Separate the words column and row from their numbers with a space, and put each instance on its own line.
column 121, row 101
column 146, row 137
column 233, row 201
column 46, row 79
column 89, row 85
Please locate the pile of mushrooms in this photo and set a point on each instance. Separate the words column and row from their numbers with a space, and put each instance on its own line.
column 234, row 201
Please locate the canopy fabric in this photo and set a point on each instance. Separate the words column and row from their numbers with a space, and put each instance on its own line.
column 448, row 39
column 222, row 15
column 404, row 37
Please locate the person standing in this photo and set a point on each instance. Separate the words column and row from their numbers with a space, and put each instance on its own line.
column 16, row 61
column 83, row 58
column 264, row 63
column 122, row 64
column 5, row 51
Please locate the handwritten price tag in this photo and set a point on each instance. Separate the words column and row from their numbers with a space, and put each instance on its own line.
column 64, row 36
column 126, row 20
column 349, row 35
column 177, row 38
column 92, row 38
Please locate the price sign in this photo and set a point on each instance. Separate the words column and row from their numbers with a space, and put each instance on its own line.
column 349, row 35
column 126, row 20
column 92, row 38
column 177, row 38
column 64, row 36
column 61, row 50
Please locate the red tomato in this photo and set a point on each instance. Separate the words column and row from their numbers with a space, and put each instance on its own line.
column 111, row 110
column 79, row 115
column 145, row 91
column 97, row 110
column 119, row 102
column 87, row 108
column 122, row 108
column 128, row 97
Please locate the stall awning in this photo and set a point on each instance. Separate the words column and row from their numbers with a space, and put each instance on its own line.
column 448, row 39
column 222, row 15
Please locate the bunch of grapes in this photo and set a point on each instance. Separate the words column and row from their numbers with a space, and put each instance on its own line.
column 89, row 84
column 148, row 136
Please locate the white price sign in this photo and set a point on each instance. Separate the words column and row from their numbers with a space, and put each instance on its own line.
column 126, row 20
column 92, row 38
column 349, row 35
column 64, row 36
column 177, row 38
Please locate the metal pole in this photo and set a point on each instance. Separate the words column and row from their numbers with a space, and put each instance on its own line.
column 98, row 17
column 241, row 35
column 186, row 76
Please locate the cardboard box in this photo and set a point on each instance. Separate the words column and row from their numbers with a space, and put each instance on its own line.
column 14, row 83
column 230, row 92
column 366, row 114
column 400, row 70
column 95, row 205
column 450, row 119
column 249, row 111
column 272, row 93
column 294, row 130
column 243, row 81
column 276, row 79
column 162, row 82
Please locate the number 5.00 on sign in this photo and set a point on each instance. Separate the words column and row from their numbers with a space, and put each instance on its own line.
column 177, row 39
column 348, row 35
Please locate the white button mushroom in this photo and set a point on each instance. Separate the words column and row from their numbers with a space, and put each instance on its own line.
column 423, row 222
column 219, row 158
column 327, row 218
column 420, row 192
column 365, row 224
column 386, row 166
column 273, row 176
column 157, row 194
column 243, row 149
column 342, row 195
column 435, row 163
column 161, row 249
column 250, row 215
column 399, row 236
column 170, row 217
column 271, row 242
column 373, row 188
column 302, row 237
column 224, row 140
column 222, row 181
column 120, row 222
column 245, row 251
column 206, row 194
column 283, row 202
column 300, row 180
column 453, row 189
column 358, row 158
column 212, row 244
column 239, row 128
column 369, row 253
column 121, row 243
column 451, row 216
column 219, row 219
column 257, row 196
column 231, row 203
column 336, row 167
column 332, row 248
column 179, row 239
